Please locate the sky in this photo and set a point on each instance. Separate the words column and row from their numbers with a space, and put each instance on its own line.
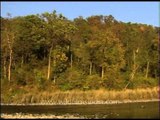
column 135, row 12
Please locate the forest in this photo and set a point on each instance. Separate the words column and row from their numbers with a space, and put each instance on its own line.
column 49, row 51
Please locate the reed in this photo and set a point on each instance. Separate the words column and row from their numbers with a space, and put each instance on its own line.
column 85, row 97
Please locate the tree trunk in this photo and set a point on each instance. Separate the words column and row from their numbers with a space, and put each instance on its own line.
column 49, row 63
column 54, row 80
column 147, row 70
column 71, row 56
column 54, row 65
column 102, row 73
column 71, row 60
column 10, row 41
column 4, row 69
column 135, row 67
column 127, row 84
column 9, row 66
column 90, row 68
column 49, row 67
column 22, row 61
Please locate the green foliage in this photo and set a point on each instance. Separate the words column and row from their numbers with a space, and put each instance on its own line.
column 39, row 78
column 93, row 53
column 20, row 75
column 142, row 82
column 71, row 79
column 93, row 82
column 59, row 60
column 113, row 80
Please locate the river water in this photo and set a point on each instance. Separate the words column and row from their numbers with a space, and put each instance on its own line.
column 123, row 110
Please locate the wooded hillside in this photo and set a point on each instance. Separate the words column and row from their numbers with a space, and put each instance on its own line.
column 48, row 50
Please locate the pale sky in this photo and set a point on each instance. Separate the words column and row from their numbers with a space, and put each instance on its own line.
column 135, row 12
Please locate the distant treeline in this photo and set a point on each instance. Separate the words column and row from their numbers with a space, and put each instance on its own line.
column 48, row 50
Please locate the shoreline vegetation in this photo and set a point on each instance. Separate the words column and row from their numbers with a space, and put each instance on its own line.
column 90, row 103
column 50, row 60
column 24, row 116
column 77, row 97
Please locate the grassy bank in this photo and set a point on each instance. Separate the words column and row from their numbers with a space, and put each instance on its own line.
column 38, row 116
column 81, row 97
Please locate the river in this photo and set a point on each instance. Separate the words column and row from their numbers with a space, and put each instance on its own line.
column 123, row 110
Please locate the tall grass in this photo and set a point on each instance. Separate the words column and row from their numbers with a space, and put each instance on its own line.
column 84, row 97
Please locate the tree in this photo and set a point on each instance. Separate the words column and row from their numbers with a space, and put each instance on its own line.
column 8, row 39
column 80, row 47
column 106, row 49
column 30, row 34
column 90, row 53
column 58, row 30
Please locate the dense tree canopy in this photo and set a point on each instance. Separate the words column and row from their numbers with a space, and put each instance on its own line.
column 92, row 53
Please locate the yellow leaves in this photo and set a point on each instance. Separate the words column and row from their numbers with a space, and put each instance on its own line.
column 93, row 44
column 142, row 28
column 61, row 57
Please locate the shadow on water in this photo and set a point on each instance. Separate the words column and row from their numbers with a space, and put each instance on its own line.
column 125, row 110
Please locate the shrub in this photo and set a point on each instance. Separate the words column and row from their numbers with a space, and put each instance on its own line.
column 39, row 78
column 140, row 82
column 92, row 82
column 113, row 80
column 71, row 79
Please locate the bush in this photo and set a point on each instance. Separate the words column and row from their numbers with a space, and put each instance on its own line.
column 71, row 79
column 20, row 76
column 39, row 79
column 23, row 76
column 92, row 82
column 113, row 80
column 140, row 82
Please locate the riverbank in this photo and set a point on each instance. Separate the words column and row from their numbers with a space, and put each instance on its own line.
column 89, row 103
column 143, row 110
column 77, row 97
column 39, row 116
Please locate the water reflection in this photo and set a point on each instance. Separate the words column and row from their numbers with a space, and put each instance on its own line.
column 126, row 110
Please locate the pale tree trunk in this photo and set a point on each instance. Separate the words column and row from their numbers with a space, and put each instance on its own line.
column 4, row 69
column 71, row 60
column 22, row 61
column 49, row 63
column 10, row 41
column 147, row 70
column 10, row 64
column 49, row 67
column 102, row 73
column 90, row 68
column 135, row 67
column 54, row 79
column 54, row 65
column 71, row 56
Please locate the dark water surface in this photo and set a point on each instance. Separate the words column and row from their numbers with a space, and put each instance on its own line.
column 125, row 110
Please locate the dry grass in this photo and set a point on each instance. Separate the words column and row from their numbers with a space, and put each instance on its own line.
column 92, row 96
